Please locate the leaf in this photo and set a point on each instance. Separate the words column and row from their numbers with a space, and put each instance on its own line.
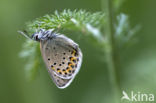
column 124, row 33
column 31, row 54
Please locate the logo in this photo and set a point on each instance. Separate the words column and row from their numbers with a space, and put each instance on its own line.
column 137, row 96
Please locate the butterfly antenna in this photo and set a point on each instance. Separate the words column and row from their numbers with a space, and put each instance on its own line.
column 24, row 34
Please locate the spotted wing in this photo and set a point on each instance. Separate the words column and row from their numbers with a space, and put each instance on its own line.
column 63, row 59
column 60, row 82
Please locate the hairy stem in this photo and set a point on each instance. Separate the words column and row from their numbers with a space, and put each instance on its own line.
column 112, row 55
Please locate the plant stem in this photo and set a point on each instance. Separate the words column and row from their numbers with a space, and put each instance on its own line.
column 112, row 55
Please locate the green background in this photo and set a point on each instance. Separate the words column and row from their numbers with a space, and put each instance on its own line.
column 138, row 71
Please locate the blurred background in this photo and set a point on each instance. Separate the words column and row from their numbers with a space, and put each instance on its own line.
column 138, row 71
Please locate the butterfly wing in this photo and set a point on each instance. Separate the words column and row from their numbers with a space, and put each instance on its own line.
column 63, row 59
column 60, row 82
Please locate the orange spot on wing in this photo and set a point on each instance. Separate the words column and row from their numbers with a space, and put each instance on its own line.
column 69, row 69
column 72, row 58
column 73, row 52
column 58, row 71
column 52, row 68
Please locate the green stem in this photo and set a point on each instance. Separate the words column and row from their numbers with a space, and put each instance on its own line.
column 112, row 55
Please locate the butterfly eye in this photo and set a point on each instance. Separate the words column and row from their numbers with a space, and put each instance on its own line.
column 36, row 37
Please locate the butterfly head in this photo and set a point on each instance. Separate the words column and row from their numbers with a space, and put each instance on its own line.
column 37, row 36
column 42, row 34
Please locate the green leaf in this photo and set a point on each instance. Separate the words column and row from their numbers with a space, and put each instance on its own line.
column 124, row 33
column 31, row 53
column 78, row 20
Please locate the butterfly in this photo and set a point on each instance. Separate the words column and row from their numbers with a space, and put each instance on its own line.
column 62, row 56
